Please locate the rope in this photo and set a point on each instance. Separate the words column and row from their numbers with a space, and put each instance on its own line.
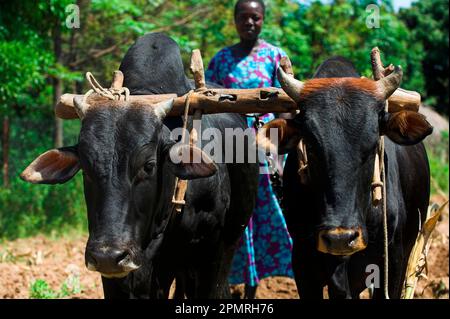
column 380, row 72
column 303, row 163
column 111, row 93
column 377, row 184
column 385, row 221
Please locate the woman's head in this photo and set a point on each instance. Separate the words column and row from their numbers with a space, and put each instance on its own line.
column 249, row 18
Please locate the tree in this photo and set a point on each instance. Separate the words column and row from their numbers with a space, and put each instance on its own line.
column 24, row 63
column 428, row 22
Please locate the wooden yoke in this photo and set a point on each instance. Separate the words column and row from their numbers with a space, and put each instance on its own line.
column 211, row 101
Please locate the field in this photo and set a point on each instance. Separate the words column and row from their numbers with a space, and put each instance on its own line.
column 40, row 267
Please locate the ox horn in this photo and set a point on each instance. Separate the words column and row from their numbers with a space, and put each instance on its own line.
column 389, row 84
column 162, row 109
column 290, row 85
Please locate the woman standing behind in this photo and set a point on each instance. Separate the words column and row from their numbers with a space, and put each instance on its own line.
column 265, row 248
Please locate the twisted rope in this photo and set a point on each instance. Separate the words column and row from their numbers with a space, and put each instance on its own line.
column 113, row 94
column 385, row 221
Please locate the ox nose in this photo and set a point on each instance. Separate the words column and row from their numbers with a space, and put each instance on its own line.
column 111, row 262
column 341, row 241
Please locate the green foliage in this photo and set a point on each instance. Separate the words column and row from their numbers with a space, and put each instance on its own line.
column 27, row 69
column 23, row 68
column 28, row 61
column 27, row 209
column 40, row 289
column 428, row 22
column 438, row 157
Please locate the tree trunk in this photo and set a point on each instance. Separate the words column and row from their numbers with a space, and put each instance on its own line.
column 57, row 84
column 59, row 128
column 5, row 147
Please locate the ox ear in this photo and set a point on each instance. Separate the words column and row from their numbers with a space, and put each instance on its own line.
column 279, row 136
column 406, row 127
column 56, row 166
column 189, row 162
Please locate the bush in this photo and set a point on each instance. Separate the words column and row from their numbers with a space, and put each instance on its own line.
column 26, row 209
column 438, row 157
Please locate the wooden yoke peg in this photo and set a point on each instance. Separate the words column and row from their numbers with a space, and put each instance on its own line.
column 198, row 72
column 117, row 83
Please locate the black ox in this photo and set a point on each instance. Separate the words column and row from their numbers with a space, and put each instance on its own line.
column 337, row 232
column 135, row 241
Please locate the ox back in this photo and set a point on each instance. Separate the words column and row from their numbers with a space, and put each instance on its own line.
column 408, row 180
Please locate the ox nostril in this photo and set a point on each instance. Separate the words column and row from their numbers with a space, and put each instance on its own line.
column 352, row 238
column 126, row 262
column 90, row 258
column 122, row 257
column 340, row 241
column 110, row 260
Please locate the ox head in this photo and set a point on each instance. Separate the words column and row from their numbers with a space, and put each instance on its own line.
column 124, row 153
column 341, row 121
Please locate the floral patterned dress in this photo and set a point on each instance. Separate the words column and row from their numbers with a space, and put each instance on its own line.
column 265, row 248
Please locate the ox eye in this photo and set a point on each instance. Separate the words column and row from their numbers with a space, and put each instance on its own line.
column 149, row 166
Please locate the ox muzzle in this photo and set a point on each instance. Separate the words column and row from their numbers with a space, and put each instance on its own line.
column 112, row 261
column 341, row 241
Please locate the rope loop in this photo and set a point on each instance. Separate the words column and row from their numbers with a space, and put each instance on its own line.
column 377, row 184
column 110, row 93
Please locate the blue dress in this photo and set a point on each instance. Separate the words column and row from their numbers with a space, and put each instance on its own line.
column 265, row 249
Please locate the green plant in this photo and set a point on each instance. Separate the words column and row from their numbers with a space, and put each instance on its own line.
column 40, row 289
